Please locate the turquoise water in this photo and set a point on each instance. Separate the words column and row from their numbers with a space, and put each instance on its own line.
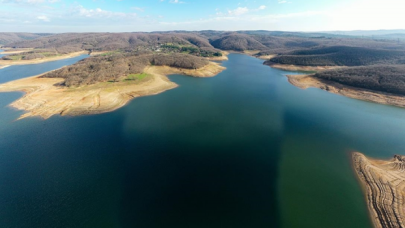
column 242, row 149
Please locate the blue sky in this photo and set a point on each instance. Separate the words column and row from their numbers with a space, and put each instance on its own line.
column 164, row 15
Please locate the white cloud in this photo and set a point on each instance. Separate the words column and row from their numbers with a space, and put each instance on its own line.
column 241, row 11
column 100, row 13
column 138, row 9
column 43, row 18
column 238, row 11
column 358, row 14
column 175, row 1
column 35, row 1
column 28, row 1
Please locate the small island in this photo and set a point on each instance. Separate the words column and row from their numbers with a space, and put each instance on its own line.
column 383, row 184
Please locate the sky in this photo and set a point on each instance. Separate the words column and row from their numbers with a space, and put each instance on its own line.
column 54, row 16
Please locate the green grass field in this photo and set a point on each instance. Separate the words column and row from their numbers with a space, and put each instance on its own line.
column 110, row 53
column 137, row 76
column 15, row 57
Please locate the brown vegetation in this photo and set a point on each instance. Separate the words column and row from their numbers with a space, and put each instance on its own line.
column 383, row 78
column 70, row 42
column 306, row 81
column 237, row 42
column 123, row 53
column 205, row 41
column 45, row 98
column 340, row 56
column 9, row 37
column 112, row 67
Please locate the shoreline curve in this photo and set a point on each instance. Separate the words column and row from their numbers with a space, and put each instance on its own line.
column 44, row 98
column 309, row 81
column 44, row 60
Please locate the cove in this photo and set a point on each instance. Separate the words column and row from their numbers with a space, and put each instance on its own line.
column 242, row 149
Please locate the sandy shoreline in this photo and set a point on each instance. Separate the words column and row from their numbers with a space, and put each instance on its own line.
column 42, row 98
column 9, row 51
column 383, row 183
column 253, row 54
column 307, row 81
column 303, row 68
column 265, row 57
column 36, row 61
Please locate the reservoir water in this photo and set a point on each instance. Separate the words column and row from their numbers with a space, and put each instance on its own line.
column 22, row 71
column 242, row 149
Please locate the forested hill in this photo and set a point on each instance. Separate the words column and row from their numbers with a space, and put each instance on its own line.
column 383, row 78
column 266, row 42
column 7, row 37
column 340, row 56
column 111, row 41
column 382, row 60
column 104, row 68
column 238, row 42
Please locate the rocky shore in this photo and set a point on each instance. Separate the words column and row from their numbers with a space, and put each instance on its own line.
column 384, row 187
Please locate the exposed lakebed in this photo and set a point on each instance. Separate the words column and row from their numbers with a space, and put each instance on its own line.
column 242, row 149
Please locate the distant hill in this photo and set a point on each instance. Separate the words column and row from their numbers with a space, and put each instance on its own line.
column 266, row 41
column 368, row 32
column 9, row 37
column 237, row 42
column 70, row 42
column 304, row 49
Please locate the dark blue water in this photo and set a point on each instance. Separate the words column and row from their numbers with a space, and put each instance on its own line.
column 242, row 149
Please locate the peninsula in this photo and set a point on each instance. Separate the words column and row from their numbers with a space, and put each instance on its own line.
column 375, row 75
column 24, row 58
column 383, row 184
column 62, row 92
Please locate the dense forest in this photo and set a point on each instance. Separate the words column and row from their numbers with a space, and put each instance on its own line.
column 10, row 37
column 113, row 67
column 211, row 41
column 70, row 42
column 385, row 78
column 340, row 56
column 238, row 42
